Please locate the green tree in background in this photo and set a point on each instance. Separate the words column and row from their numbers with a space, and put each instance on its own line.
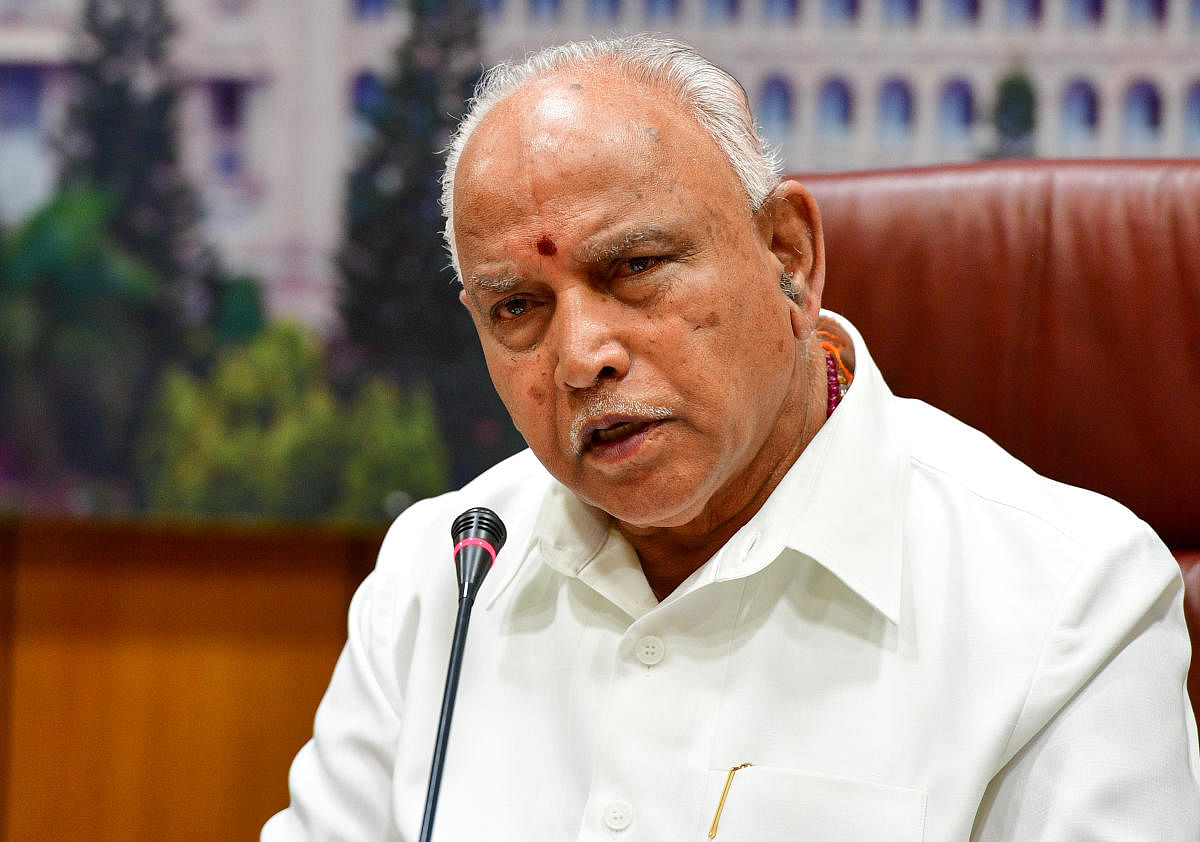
column 398, row 302
column 240, row 312
column 111, row 281
column 1014, row 116
column 121, row 135
column 74, row 349
column 265, row 435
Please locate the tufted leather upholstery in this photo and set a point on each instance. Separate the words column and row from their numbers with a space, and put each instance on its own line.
column 1055, row 305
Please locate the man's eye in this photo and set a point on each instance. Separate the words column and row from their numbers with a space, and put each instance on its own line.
column 635, row 265
column 511, row 308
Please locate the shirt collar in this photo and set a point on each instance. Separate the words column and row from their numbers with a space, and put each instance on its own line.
column 841, row 504
column 579, row 541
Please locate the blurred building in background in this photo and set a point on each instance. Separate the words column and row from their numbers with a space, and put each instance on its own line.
column 274, row 86
column 847, row 84
column 267, row 123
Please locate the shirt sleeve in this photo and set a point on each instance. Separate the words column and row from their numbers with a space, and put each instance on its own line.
column 340, row 782
column 1106, row 747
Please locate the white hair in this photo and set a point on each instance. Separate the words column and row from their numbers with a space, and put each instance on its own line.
column 715, row 98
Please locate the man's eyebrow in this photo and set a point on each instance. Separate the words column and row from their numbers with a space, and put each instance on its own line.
column 610, row 247
column 497, row 284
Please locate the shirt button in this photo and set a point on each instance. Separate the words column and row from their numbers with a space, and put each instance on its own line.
column 650, row 650
column 618, row 815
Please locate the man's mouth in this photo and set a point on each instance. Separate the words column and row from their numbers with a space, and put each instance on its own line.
column 616, row 439
column 615, row 429
column 617, row 432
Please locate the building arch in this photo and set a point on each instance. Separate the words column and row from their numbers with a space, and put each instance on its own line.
column 1085, row 13
column 722, row 11
column 366, row 94
column 20, row 96
column 369, row 9
column 1080, row 114
column 605, row 11
column 901, row 12
column 776, row 108
column 839, row 12
column 780, row 11
column 961, row 12
column 662, row 10
column 1146, row 14
column 27, row 170
column 956, row 113
column 1023, row 13
column 1141, row 115
column 895, row 110
column 835, row 109
column 1191, row 119
column 367, row 97
column 544, row 10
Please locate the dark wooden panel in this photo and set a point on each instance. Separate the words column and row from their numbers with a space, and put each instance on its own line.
column 8, row 566
column 164, row 676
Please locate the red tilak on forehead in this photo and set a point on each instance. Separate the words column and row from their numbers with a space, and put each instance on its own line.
column 546, row 247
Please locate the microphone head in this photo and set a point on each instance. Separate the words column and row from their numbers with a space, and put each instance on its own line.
column 478, row 535
column 479, row 523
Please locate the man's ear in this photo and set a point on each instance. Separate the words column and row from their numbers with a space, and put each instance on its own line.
column 464, row 298
column 798, row 243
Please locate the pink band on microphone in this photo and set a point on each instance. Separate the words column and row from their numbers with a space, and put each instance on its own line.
column 475, row 542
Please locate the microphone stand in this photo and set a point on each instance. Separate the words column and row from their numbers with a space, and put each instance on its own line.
column 478, row 535
column 465, row 603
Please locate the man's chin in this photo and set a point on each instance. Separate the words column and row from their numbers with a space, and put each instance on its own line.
column 641, row 510
column 639, row 493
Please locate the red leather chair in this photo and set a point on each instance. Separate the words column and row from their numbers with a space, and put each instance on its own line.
column 1055, row 305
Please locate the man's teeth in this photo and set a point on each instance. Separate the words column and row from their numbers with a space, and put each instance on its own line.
column 616, row 432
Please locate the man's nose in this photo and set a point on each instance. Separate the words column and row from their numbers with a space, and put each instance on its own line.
column 588, row 347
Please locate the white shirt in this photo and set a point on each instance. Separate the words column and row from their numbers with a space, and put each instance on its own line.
column 916, row 638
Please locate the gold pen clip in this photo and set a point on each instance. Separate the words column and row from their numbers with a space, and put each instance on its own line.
column 712, row 831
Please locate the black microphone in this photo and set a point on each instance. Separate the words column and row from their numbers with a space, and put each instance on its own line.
column 478, row 535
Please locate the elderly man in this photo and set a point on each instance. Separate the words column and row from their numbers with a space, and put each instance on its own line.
column 747, row 593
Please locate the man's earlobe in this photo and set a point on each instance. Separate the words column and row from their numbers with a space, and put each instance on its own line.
column 802, row 328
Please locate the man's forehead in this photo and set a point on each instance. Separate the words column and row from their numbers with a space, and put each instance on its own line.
column 565, row 132
column 554, row 112
column 564, row 164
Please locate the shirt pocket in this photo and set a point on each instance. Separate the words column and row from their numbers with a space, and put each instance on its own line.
column 769, row 804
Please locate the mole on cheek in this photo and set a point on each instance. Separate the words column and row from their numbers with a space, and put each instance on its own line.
column 546, row 247
column 537, row 395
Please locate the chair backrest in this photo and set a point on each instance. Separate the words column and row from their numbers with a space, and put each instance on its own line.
column 1055, row 305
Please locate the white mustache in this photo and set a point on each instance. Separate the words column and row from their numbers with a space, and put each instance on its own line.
column 602, row 405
